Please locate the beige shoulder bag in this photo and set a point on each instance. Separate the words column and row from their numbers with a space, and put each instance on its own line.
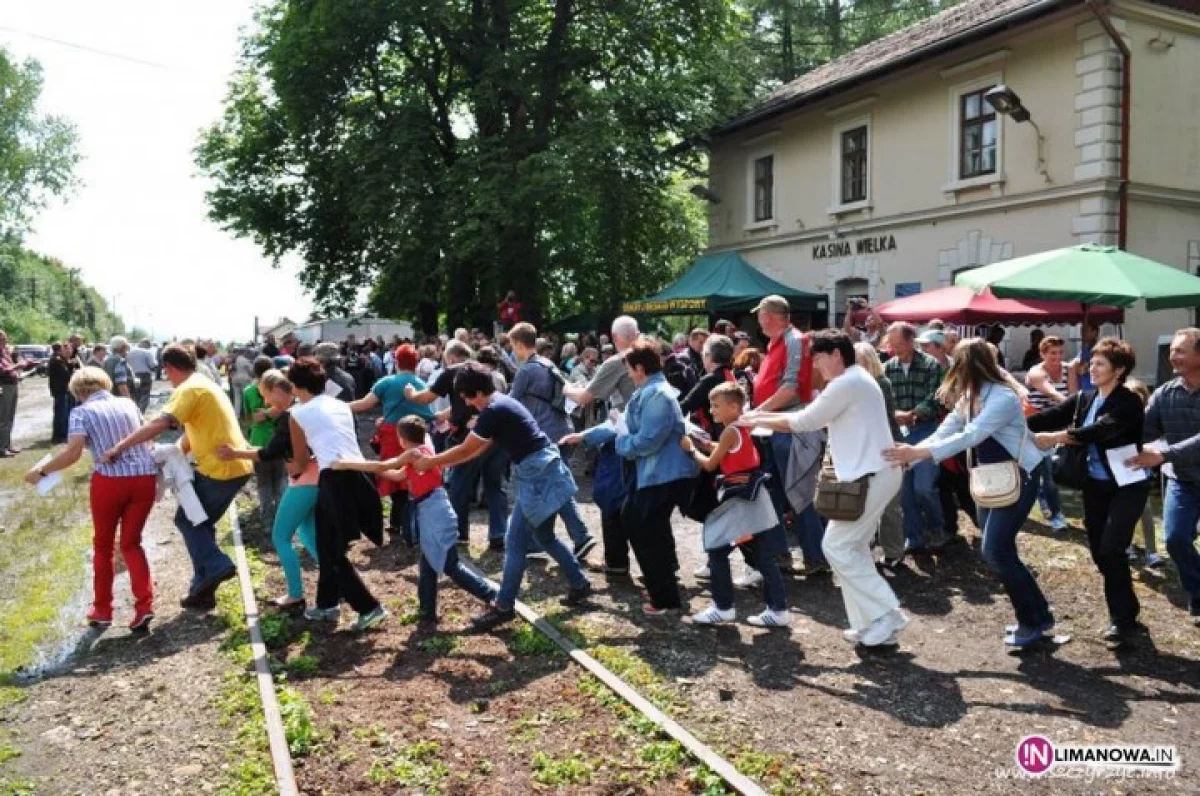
column 996, row 485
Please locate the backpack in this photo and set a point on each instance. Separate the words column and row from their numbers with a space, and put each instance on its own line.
column 557, row 400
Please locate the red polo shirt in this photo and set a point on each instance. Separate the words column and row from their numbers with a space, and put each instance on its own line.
column 780, row 367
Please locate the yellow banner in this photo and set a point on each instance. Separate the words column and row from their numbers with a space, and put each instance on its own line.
column 672, row 305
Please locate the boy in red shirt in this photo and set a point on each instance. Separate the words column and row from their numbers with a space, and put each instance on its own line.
column 435, row 524
column 745, row 509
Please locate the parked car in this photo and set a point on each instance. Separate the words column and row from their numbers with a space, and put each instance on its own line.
column 37, row 353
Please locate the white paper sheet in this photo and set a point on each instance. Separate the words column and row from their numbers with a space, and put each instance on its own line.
column 332, row 388
column 1125, row 475
column 617, row 421
column 570, row 406
column 47, row 484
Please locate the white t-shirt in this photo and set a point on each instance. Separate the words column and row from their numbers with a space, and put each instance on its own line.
column 329, row 426
column 852, row 408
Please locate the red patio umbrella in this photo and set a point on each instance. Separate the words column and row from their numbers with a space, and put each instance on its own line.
column 962, row 306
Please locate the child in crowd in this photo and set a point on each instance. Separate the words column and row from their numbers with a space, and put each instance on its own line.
column 435, row 525
column 737, row 458
column 1153, row 559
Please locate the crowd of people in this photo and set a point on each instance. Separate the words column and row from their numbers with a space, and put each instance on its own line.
column 841, row 451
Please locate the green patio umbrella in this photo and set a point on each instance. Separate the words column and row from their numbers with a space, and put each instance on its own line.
column 1089, row 274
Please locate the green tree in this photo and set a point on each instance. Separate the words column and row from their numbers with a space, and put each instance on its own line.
column 38, row 153
column 446, row 151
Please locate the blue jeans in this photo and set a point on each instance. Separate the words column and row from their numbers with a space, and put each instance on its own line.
column 201, row 540
column 468, row 581
column 919, row 497
column 1000, row 529
column 1048, row 494
column 516, row 546
column 296, row 515
column 807, row 528
column 721, row 580
column 1181, row 509
column 576, row 528
column 491, row 467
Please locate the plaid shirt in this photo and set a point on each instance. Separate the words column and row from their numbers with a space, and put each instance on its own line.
column 914, row 391
column 1173, row 414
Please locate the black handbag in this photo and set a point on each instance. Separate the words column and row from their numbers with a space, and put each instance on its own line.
column 1069, row 466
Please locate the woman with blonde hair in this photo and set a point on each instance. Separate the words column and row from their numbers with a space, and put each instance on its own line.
column 122, row 491
column 987, row 415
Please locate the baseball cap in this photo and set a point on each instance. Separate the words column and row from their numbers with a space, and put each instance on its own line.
column 775, row 304
column 934, row 336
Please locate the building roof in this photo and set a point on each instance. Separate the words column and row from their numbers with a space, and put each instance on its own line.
column 945, row 31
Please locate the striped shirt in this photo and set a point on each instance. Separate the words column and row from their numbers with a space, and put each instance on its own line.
column 1173, row 414
column 1039, row 400
column 104, row 420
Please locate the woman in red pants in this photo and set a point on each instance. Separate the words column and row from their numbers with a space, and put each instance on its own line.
column 122, row 492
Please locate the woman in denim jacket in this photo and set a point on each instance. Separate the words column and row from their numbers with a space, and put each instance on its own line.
column 987, row 415
column 665, row 474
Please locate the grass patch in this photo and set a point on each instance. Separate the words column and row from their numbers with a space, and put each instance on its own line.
column 574, row 769
column 438, row 645
column 527, row 640
column 43, row 562
column 418, row 765
column 250, row 772
column 303, row 665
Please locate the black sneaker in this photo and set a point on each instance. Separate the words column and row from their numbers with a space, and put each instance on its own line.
column 892, row 564
column 496, row 545
column 492, row 617
column 578, row 595
column 583, row 548
column 208, row 587
column 199, row 602
column 1118, row 636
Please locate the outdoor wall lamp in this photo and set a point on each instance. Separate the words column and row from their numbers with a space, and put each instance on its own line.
column 703, row 193
column 1006, row 103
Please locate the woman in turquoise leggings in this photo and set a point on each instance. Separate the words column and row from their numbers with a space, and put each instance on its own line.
column 295, row 515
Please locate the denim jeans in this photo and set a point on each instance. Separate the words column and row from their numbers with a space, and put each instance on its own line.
column 465, row 579
column 1181, row 510
column 924, row 524
column 807, row 527
column 721, row 579
column 1000, row 529
column 491, row 467
column 62, row 411
column 201, row 540
column 1048, row 494
column 576, row 528
column 516, row 546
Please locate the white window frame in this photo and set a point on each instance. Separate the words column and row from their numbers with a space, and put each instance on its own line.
column 956, row 183
column 838, row 206
column 751, row 160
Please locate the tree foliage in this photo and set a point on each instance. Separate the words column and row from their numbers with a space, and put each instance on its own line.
column 442, row 152
column 42, row 301
column 38, row 153
column 445, row 151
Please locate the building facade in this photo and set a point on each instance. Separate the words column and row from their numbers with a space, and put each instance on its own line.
column 885, row 173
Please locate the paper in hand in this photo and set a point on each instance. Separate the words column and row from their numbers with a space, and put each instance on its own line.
column 47, row 484
column 1125, row 475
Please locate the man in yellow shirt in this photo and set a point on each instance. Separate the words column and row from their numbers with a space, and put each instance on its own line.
column 206, row 416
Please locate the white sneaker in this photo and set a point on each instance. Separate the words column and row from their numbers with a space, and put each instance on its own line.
column 769, row 618
column 748, row 581
column 1059, row 523
column 1131, row 553
column 850, row 635
column 884, row 629
column 712, row 615
column 702, row 573
column 1154, row 560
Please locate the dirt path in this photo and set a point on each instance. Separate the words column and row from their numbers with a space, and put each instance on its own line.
column 132, row 714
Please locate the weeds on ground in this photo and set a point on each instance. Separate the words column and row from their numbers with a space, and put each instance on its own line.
column 574, row 769
column 439, row 645
column 527, row 640
column 418, row 765
column 250, row 772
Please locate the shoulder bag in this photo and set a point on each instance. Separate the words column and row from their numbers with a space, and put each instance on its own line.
column 996, row 485
column 840, row 500
column 1070, row 461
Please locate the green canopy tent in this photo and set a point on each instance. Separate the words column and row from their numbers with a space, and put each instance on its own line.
column 722, row 284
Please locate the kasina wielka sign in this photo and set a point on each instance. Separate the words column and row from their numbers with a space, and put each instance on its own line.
column 876, row 244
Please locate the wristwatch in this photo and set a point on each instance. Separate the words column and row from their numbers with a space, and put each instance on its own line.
column 42, row 472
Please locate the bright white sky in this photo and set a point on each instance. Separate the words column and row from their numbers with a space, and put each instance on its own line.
column 138, row 227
